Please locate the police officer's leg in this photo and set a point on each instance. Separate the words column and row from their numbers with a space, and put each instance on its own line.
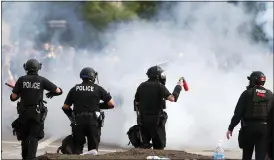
column 159, row 141
column 35, row 127
column 79, row 138
column 150, row 123
column 146, row 132
column 248, row 151
column 249, row 144
column 261, row 142
column 24, row 146
column 24, row 132
column 93, row 136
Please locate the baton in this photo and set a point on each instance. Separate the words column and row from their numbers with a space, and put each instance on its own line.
column 13, row 87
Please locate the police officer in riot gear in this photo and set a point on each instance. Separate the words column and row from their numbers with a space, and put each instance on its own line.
column 86, row 117
column 29, row 88
column 270, row 123
column 252, row 111
column 149, row 102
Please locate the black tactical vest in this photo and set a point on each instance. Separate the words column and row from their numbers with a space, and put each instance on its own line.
column 86, row 98
column 31, row 90
column 259, row 105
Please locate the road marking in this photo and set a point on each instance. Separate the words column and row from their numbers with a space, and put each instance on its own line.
column 17, row 155
column 47, row 142
column 18, row 143
column 9, row 142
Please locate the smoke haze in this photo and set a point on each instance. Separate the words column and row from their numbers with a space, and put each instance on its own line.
column 207, row 43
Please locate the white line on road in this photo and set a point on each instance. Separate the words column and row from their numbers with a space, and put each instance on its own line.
column 46, row 144
column 9, row 142
column 17, row 155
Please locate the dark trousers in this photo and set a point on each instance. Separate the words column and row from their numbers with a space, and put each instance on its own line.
column 254, row 136
column 153, row 130
column 29, row 131
column 93, row 134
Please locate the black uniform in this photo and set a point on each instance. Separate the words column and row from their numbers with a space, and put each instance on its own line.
column 252, row 110
column 150, row 97
column 85, row 98
column 29, row 125
column 270, row 149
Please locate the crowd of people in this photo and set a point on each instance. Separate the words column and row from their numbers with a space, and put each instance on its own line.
column 13, row 56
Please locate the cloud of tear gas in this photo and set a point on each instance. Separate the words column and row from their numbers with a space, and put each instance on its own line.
column 265, row 20
column 215, row 58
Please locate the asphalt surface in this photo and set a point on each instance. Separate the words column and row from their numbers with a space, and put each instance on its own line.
column 11, row 148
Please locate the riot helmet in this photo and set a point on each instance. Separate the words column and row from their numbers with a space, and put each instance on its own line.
column 88, row 74
column 32, row 65
column 256, row 78
column 156, row 72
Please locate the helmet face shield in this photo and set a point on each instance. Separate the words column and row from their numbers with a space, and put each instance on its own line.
column 163, row 75
column 162, row 78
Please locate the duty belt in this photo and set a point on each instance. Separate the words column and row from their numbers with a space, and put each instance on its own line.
column 84, row 114
column 35, row 106
column 248, row 122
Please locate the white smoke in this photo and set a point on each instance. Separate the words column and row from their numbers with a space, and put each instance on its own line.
column 265, row 21
column 217, row 57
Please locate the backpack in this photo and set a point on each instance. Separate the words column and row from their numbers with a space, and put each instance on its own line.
column 134, row 136
column 67, row 146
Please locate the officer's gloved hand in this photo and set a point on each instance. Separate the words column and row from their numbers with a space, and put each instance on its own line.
column 72, row 124
column 50, row 95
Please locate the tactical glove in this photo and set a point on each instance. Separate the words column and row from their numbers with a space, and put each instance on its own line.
column 51, row 94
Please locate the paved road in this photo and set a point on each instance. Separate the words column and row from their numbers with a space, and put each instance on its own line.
column 12, row 150
column 231, row 154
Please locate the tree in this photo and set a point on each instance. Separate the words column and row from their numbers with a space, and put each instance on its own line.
column 100, row 14
column 144, row 9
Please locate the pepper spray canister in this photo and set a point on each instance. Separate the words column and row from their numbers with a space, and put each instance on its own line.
column 184, row 83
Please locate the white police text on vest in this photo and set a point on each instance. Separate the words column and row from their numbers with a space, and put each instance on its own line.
column 84, row 88
column 33, row 85
column 260, row 90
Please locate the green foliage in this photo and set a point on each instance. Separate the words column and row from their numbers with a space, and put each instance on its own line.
column 144, row 9
column 100, row 14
